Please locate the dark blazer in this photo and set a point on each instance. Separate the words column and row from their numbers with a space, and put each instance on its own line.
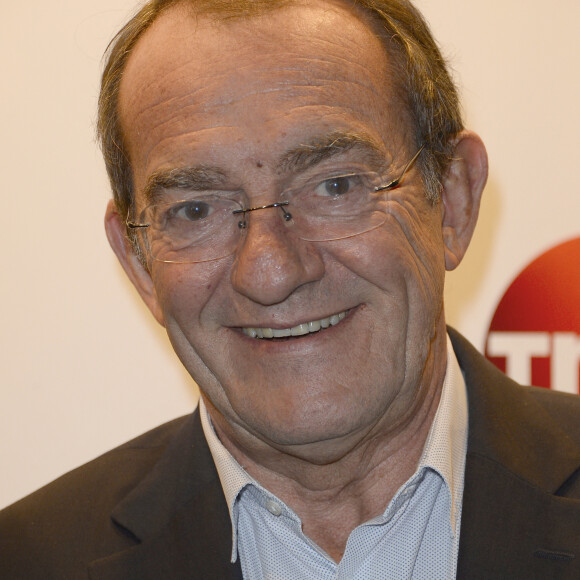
column 153, row 509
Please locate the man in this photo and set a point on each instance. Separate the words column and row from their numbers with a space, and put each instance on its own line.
column 291, row 179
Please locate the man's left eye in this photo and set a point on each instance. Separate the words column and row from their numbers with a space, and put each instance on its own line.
column 337, row 186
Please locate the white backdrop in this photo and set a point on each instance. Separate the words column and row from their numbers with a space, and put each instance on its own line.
column 83, row 367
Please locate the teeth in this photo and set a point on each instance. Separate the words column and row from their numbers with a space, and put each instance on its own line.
column 281, row 333
column 314, row 326
column 299, row 330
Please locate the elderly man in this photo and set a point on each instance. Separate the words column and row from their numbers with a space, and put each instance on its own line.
column 291, row 180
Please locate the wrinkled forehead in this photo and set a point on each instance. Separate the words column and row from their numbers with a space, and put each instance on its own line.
column 195, row 82
column 181, row 47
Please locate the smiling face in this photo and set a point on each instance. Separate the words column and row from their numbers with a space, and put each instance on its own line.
column 260, row 105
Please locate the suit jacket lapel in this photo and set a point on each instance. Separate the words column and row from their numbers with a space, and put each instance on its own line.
column 515, row 523
column 178, row 518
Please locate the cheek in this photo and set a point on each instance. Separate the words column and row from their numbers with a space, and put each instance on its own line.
column 192, row 300
column 404, row 260
column 400, row 252
column 417, row 237
column 184, row 292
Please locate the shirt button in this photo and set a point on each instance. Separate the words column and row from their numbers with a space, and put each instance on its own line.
column 273, row 507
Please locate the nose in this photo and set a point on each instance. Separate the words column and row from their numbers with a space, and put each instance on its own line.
column 272, row 262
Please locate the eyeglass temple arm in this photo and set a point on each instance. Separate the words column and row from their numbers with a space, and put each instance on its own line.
column 395, row 182
column 133, row 225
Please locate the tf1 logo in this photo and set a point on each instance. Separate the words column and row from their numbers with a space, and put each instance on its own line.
column 534, row 335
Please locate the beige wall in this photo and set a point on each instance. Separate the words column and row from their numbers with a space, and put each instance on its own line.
column 82, row 366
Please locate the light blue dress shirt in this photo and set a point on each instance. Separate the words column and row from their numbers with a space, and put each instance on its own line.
column 416, row 537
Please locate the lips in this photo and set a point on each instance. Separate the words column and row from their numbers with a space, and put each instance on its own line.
column 300, row 330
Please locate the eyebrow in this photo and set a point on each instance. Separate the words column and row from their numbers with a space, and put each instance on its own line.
column 320, row 148
column 197, row 178
column 295, row 160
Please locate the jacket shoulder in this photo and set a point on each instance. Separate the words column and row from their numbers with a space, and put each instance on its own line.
column 564, row 408
column 75, row 509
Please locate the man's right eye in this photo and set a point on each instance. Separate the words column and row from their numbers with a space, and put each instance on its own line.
column 192, row 211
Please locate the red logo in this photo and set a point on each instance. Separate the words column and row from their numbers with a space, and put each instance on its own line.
column 534, row 336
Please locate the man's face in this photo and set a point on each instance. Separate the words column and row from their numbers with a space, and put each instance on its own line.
column 239, row 99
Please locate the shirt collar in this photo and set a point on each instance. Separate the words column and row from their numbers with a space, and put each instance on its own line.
column 446, row 445
column 233, row 476
column 444, row 451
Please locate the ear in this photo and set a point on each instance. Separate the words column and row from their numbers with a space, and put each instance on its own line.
column 138, row 274
column 461, row 195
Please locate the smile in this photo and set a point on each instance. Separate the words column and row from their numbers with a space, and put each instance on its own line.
column 300, row 330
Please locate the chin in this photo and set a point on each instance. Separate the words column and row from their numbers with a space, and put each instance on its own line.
column 304, row 431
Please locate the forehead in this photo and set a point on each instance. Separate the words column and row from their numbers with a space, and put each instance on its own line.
column 194, row 82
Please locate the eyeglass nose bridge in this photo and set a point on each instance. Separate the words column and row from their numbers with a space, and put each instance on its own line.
column 242, row 224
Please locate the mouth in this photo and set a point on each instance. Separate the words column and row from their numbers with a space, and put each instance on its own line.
column 300, row 330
